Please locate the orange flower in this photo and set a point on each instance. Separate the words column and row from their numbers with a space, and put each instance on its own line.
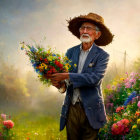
column 137, row 113
column 131, row 120
column 115, row 119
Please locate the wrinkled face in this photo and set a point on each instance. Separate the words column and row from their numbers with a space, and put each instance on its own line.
column 88, row 32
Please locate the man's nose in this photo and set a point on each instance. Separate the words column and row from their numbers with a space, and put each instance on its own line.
column 85, row 30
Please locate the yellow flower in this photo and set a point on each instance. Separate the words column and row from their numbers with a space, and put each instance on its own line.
column 49, row 51
column 50, row 58
column 75, row 65
column 66, row 58
column 122, row 79
column 115, row 83
column 43, row 65
column 134, row 126
column 138, row 121
column 67, row 68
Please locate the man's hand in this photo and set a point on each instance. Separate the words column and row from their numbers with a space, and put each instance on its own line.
column 56, row 84
column 58, row 77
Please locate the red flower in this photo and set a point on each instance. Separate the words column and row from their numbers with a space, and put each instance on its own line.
column 8, row 124
column 61, row 65
column 49, row 72
column 125, row 122
column 41, row 59
column 120, row 128
column 137, row 113
column 56, row 62
column 46, row 61
column 119, row 109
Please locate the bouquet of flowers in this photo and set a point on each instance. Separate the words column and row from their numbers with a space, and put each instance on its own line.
column 46, row 62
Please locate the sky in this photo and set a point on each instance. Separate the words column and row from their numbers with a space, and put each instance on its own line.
column 35, row 20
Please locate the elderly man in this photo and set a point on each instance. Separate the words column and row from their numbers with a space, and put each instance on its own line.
column 83, row 110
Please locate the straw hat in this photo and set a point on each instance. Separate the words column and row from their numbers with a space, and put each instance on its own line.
column 75, row 23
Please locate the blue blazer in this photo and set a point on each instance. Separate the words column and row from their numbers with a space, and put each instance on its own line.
column 89, row 82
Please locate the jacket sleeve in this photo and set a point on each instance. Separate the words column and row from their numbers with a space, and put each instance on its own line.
column 91, row 78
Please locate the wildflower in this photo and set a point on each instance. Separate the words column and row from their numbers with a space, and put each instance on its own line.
column 132, row 75
column 75, row 65
column 126, row 73
column 138, row 121
column 125, row 122
column 132, row 81
column 3, row 116
column 33, row 50
column 109, row 105
column 126, row 80
column 8, row 124
column 128, row 85
column 133, row 94
column 120, row 128
column 125, row 114
column 134, row 126
column 108, row 86
column 122, row 79
column 22, row 48
column 115, row 119
column 138, row 104
column 113, row 87
column 66, row 58
column 50, row 58
column 119, row 109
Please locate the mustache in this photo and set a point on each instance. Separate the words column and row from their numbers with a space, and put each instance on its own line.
column 87, row 35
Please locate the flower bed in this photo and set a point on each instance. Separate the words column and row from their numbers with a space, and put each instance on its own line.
column 122, row 101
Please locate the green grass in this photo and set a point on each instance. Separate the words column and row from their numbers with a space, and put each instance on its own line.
column 36, row 126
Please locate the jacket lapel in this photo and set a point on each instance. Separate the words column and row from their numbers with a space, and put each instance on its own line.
column 76, row 58
column 91, row 56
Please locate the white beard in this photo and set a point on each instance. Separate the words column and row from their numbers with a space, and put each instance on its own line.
column 85, row 40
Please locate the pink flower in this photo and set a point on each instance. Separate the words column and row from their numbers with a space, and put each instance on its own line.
column 128, row 85
column 133, row 81
column 132, row 74
column 109, row 105
column 126, row 74
column 3, row 116
column 113, row 87
column 126, row 80
column 138, row 104
column 108, row 87
column 8, row 124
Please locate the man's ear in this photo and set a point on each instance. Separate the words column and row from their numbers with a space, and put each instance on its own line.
column 98, row 34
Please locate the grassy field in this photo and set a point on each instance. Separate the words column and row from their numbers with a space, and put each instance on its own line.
column 36, row 126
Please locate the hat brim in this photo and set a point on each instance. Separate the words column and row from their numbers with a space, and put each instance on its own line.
column 105, row 38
